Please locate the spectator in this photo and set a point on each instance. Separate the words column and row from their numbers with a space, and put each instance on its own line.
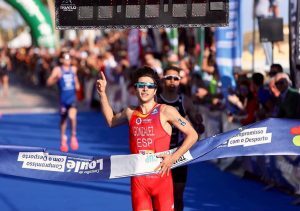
column 247, row 103
column 5, row 67
column 263, row 94
column 274, row 69
column 289, row 105
column 171, row 96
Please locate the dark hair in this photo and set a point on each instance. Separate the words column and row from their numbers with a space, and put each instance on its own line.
column 274, row 69
column 258, row 79
column 171, row 67
column 247, row 84
column 63, row 53
column 146, row 72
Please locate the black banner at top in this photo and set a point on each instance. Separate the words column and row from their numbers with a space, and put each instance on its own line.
column 88, row 14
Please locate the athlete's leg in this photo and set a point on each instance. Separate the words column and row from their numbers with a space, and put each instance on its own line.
column 5, row 80
column 163, row 199
column 73, row 119
column 1, row 85
column 141, row 199
column 63, row 128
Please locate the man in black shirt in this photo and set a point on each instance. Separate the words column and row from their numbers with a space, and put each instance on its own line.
column 170, row 95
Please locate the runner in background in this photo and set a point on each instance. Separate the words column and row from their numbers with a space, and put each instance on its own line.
column 170, row 95
column 66, row 78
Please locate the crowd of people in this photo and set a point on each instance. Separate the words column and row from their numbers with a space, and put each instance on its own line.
column 257, row 95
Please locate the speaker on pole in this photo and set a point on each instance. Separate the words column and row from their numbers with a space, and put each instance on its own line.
column 270, row 29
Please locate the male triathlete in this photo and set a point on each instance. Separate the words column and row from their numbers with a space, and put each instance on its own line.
column 66, row 78
column 150, row 128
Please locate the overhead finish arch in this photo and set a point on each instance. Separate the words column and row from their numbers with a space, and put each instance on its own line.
column 38, row 18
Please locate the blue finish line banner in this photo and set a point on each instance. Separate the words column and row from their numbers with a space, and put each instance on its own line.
column 268, row 137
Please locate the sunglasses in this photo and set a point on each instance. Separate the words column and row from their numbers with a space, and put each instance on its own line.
column 170, row 77
column 279, row 83
column 141, row 85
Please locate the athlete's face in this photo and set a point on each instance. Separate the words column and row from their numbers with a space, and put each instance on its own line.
column 145, row 89
column 66, row 60
column 171, row 80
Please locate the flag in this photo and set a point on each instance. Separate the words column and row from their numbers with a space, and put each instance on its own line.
column 229, row 47
column 173, row 38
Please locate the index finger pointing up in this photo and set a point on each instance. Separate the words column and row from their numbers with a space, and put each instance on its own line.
column 102, row 76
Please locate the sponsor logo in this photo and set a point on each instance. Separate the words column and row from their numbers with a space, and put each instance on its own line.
column 67, row 6
column 146, row 152
column 183, row 158
column 147, row 121
column 155, row 111
column 67, row 1
column 42, row 161
column 84, row 166
column 57, row 163
column 296, row 131
column 151, row 158
column 138, row 121
column 251, row 137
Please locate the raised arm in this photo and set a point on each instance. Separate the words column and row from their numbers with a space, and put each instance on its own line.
column 53, row 78
column 111, row 118
column 171, row 116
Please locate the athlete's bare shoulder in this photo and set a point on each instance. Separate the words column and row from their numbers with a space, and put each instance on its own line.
column 56, row 68
column 74, row 68
column 168, row 110
column 56, row 72
column 165, row 107
column 128, row 111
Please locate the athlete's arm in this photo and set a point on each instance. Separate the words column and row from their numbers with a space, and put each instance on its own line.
column 53, row 78
column 111, row 118
column 77, row 84
column 171, row 115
